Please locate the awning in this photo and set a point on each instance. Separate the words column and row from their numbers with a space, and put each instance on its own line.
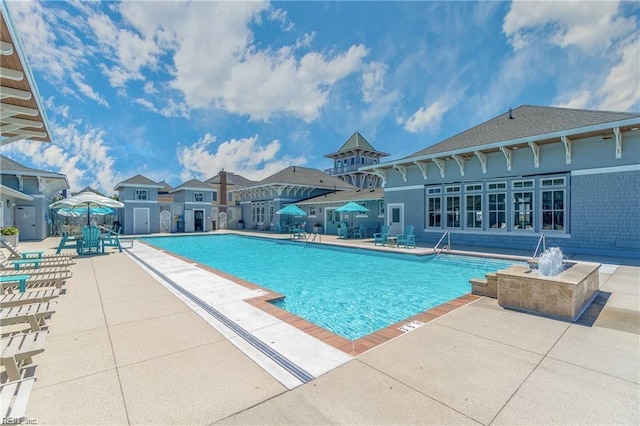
column 8, row 192
column 22, row 114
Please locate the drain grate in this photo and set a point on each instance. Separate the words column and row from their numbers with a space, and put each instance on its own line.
column 274, row 355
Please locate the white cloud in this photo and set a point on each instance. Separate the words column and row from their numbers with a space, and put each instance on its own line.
column 426, row 118
column 80, row 152
column 242, row 156
column 621, row 89
column 579, row 100
column 217, row 63
column 589, row 25
column 373, row 78
column 149, row 88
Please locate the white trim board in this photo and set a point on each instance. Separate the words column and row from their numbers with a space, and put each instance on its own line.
column 603, row 170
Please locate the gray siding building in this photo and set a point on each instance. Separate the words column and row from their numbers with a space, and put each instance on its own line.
column 572, row 175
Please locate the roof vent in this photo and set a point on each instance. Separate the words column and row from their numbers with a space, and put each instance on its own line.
column 510, row 116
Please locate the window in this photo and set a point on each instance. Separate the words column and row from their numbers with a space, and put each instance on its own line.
column 434, row 207
column 494, row 186
column 215, row 195
column 553, row 204
column 474, row 211
column 353, row 160
column 497, row 211
column 361, row 160
column 312, row 209
column 474, row 187
column 452, row 205
column 381, row 208
column 522, row 205
column 198, row 197
column 434, row 212
column 142, row 194
column 270, row 218
column 230, row 197
column 257, row 211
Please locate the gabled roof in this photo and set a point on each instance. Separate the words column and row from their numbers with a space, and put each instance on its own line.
column 193, row 184
column 303, row 176
column 11, row 167
column 139, row 181
column 165, row 186
column 356, row 143
column 527, row 121
column 87, row 189
column 23, row 115
column 232, row 179
column 345, row 196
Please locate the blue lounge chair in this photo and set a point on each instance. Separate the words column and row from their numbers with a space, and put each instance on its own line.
column 408, row 238
column 382, row 236
column 90, row 242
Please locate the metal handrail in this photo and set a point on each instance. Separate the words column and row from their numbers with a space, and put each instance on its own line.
column 542, row 240
column 446, row 247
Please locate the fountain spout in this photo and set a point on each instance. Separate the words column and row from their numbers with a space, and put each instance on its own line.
column 551, row 262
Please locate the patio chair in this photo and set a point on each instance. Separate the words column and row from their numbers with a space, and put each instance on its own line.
column 17, row 350
column 67, row 242
column 382, row 236
column 359, row 232
column 299, row 232
column 343, row 230
column 14, row 396
column 90, row 242
column 408, row 238
column 35, row 296
column 111, row 239
column 33, row 314
column 17, row 254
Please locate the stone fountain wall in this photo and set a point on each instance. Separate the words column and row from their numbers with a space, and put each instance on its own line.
column 564, row 296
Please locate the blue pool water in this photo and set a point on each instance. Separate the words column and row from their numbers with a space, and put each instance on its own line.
column 352, row 292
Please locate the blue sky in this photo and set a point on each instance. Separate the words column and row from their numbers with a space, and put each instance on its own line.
column 180, row 90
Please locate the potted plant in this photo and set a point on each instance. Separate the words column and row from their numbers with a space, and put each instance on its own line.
column 11, row 234
column 317, row 228
column 241, row 224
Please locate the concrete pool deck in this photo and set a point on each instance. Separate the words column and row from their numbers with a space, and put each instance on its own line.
column 124, row 349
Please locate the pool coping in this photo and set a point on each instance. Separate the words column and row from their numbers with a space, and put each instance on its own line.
column 350, row 347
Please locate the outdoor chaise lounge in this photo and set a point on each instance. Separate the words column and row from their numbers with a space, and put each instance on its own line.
column 17, row 350
column 382, row 236
column 35, row 296
column 17, row 254
column 33, row 263
column 34, row 314
column 407, row 239
column 14, row 396
column 40, row 281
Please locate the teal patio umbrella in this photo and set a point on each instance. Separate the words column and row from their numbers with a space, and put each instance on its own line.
column 291, row 210
column 352, row 207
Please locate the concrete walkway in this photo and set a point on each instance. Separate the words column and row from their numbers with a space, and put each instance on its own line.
column 123, row 349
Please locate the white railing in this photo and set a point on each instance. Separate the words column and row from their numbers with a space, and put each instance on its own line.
column 541, row 241
column 447, row 247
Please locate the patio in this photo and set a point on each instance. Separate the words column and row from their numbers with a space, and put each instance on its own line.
column 123, row 349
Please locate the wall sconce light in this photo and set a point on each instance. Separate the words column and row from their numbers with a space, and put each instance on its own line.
column 320, row 209
column 8, row 203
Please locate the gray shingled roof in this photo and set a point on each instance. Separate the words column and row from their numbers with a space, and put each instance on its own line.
column 303, row 176
column 356, row 142
column 9, row 166
column 345, row 196
column 138, row 180
column 232, row 179
column 193, row 184
column 528, row 121
column 165, row 186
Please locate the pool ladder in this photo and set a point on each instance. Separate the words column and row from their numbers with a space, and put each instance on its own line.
column 447, row 247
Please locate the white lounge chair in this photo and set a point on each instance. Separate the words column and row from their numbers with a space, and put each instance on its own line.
column 34, row 314
column 33, row 263
column 35, row 296
column 17, row 254
column 14, row 396
column 17, row 350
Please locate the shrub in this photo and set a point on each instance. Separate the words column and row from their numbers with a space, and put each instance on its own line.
column 9, row 230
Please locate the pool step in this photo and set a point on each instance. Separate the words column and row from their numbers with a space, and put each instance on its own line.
column 487, row 286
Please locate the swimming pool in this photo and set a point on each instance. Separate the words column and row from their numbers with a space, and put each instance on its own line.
column 352, row 292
